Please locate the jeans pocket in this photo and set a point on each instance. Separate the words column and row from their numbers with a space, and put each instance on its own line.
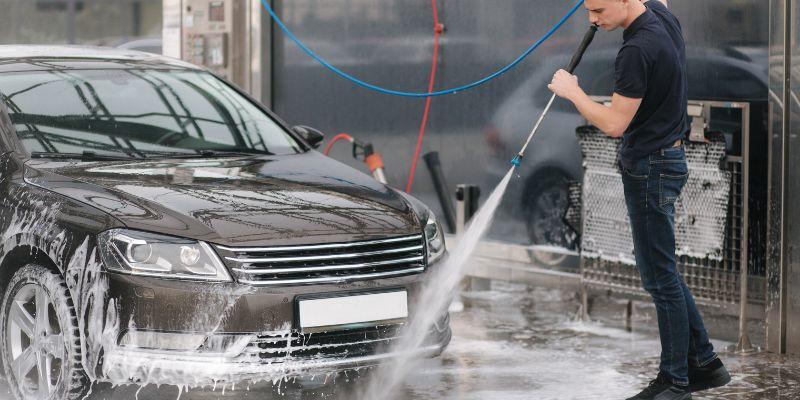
column 669, row 189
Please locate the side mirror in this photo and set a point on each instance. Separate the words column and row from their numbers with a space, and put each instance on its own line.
column 312, row 136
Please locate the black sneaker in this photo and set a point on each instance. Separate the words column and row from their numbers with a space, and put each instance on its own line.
column 707, row 377
column 662, row 389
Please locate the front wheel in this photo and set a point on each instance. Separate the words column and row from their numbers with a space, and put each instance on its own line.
column 546, row 205
column 40, row 337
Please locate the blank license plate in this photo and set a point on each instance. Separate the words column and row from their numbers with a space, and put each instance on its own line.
column 352, row 310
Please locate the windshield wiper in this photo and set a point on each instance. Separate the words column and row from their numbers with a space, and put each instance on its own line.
column 202, row 154
column 85, row 155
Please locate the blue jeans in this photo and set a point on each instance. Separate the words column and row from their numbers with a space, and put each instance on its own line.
column 652, row 184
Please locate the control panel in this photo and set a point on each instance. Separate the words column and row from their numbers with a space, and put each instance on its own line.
column 214, row 35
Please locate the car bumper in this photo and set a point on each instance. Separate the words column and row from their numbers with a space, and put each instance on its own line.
column 122, row 366
column 199, row 334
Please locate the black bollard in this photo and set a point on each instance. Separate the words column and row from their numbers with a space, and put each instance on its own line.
column 467, row 197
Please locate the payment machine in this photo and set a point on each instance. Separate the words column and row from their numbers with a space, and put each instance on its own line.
column 225, row 36
column 212, row 31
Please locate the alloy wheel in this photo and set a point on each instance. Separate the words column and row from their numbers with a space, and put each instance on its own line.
column 36, row 345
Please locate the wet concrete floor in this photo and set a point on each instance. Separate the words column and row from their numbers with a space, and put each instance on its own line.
column 514, row 342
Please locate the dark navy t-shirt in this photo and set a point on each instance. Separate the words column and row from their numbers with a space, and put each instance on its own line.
column 651, row 65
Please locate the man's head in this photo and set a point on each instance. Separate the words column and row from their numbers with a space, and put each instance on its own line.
column 612, row 14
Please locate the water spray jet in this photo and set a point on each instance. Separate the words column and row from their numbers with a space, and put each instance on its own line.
column 437, row 294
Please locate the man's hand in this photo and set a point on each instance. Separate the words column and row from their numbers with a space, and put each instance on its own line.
column 565, row 85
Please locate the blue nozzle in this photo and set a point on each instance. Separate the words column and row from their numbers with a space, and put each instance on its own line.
column 516, row 161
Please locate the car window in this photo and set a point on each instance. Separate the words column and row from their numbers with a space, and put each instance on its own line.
column 137, row 111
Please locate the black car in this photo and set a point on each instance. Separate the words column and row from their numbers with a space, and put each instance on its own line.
column 160, row 226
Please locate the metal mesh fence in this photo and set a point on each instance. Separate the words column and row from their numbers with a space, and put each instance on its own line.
column 708, row 222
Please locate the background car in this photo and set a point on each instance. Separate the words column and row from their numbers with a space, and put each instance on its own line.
column 553, row 159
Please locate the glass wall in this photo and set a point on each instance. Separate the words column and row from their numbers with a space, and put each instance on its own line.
column 477, row 132
column 126, row 23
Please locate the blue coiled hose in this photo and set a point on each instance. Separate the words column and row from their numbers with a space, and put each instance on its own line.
column 376, row 88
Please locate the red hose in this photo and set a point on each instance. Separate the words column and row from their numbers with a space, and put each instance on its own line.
column 336, row 139
column 438, row 28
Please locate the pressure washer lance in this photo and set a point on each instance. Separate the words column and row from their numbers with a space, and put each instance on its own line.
column 576, row 59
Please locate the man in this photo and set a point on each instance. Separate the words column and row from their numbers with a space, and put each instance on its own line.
column 649, row 111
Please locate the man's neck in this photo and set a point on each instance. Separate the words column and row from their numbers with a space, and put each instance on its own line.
column 637, row 9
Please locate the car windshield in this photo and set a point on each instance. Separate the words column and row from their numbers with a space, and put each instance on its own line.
column 137, row 113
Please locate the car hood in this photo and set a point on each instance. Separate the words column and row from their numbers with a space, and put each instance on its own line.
column 243, row 201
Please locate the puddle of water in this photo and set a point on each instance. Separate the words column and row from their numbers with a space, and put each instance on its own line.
column 512, row 343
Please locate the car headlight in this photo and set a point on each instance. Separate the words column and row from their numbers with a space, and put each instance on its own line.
column 434, row 239
column 150, row 254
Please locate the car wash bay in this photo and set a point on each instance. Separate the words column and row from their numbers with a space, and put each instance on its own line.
column 544, row 315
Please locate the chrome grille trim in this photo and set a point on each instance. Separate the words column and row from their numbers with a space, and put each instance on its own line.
column 326, row 263
column 324, row 257
column 319, row 246
column 325, row 268
column 333, row 279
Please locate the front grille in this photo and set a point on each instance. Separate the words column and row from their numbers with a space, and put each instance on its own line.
column 326, row 263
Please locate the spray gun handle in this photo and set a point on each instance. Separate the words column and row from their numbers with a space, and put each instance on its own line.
column 362, row 150
column 587, row 40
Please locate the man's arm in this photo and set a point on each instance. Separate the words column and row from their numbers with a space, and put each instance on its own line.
column 613, row 121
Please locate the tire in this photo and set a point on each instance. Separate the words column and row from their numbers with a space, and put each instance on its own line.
column 545, row 205
column 59, row 340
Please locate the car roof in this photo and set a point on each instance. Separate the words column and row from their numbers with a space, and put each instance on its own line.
column 27, row 53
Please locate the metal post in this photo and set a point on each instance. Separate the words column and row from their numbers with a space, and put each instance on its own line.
column 786, row 134
column 781, row 38
column 629, row 316
column 466, row 204
column 583, row 310
column 744, row 345
column 461, row 209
